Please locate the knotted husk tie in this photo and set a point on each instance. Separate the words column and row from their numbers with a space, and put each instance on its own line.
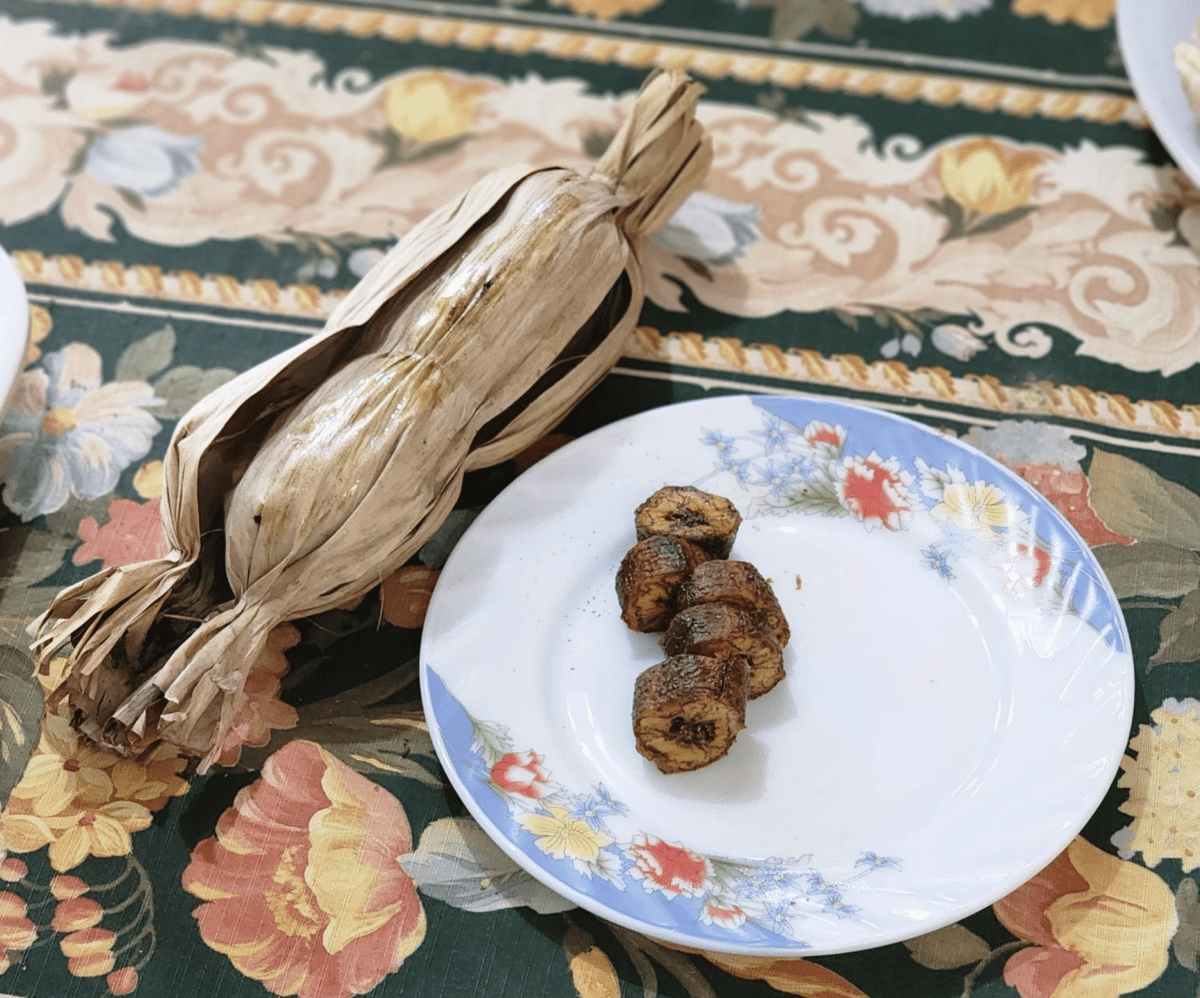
column 301, row 484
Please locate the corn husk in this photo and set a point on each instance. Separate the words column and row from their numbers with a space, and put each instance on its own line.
column 300, row 485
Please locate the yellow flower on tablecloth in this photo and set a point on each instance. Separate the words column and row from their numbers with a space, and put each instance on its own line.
column 40, row 324
column 81, row 800
column 148, row 480
column 563, row 837
column 605, row 9
column 1163, row 781
column 793, row 977
column 1101, row 927
column 431, row 105
column 1085, row 13
column 976, row 506
column 985, row 177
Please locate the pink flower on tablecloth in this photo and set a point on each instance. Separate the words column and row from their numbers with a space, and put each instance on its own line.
column 1100, row 926
column 671, row 869
column 1068, row 490
column 261, row 710
column 874, row 489
column 301, row 884
column 133, row 533
column 522, row 773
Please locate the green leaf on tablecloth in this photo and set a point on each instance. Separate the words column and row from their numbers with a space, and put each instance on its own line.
column 1132, row 500
column 147, row 357
column 182, row 387
column 132, row 198
column 29, row 555
column 1149, row 569
column 1000, row 220
column 21, row 708
column 457, row 863
column 796, row 18
column 846, row 318
column 948, row 948
column 1179, row 633
column 1186, row 943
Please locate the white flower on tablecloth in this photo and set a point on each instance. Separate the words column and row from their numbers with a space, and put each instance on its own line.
column 106, row 94
column 956, row 341
column 910, row 344
column 144, row 159
column 67, row 434
column 362, row 260
column 908, row 10
column 711, row 229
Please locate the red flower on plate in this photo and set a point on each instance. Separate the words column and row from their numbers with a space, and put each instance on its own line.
column 671, row 869
column 522, row 773
column 874, row 489
column 301, row 884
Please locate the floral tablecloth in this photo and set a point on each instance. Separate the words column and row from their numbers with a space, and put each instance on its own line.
column 951, row 209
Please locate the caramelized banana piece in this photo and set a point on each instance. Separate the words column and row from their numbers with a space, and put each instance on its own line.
column 738, row 583
column 688, row 710
column 721, row 630
column 648, row 578
column 707, row 520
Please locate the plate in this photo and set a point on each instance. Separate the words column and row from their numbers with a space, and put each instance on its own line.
column 14, row 326
column 1148, row 31
column 958, row 698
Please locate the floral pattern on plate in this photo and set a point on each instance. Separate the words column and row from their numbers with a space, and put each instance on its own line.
column 569, row 833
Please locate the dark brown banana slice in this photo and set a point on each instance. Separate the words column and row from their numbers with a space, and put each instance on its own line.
column 688, row 710
column 708, row 520
column 648, row 578
column 720, row 630
column 738, row 583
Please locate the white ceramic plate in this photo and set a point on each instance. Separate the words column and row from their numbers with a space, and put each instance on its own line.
column 1148, row 31
column 14, row 325
column 958, row 698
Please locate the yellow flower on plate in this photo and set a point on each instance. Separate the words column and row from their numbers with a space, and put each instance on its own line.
column 1085, row 13
column 1163, row 780
column 976, row 506
column 605, row 9
column 563, row 837
column 431, row 105
column 983, row 176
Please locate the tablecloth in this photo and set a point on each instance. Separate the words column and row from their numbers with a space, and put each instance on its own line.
column 950, row 209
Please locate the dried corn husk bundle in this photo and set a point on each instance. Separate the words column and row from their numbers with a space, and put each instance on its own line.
column 301, row 484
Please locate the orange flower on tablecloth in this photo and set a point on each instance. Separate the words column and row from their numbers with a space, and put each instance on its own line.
column 17, row 932
column 261, row 710
column 1101, row 927
column 133, row 533
column 405, row 595
column 985, row 177
column 301, row 885
column 1085, row 13
column 793, row 977
column 81, row 800
column 605, row 9
column 1068, row 491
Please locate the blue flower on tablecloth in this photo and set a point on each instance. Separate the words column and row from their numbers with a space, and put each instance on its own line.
column 908, row 10
column 67, row 434
column 143, row 159
column 710, row 229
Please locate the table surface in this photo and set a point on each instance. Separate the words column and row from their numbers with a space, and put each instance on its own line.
column 951, row 209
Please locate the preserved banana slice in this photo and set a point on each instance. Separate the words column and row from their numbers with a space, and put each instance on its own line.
column 688, row 710
column 649, row 577
column 707, row 520
column 721, row 630
column 738, row 583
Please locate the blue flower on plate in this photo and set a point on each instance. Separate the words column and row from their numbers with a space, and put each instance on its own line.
column 835, row 905
column 939, row 560
column 877, row 862
column 596, row 807
column 779, row 917
column 774, row 434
